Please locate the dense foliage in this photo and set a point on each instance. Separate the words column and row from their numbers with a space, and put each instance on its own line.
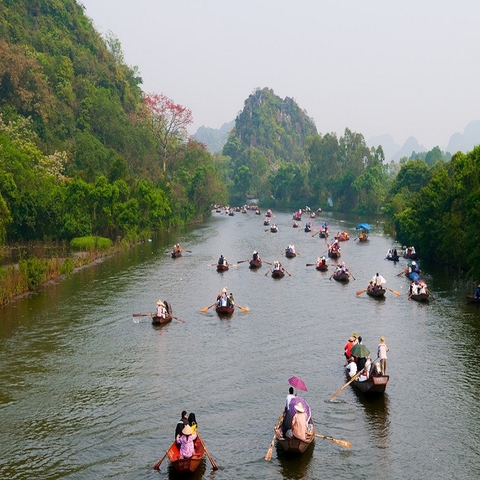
column 78, row 154
column 434, row 208
column 276, row 154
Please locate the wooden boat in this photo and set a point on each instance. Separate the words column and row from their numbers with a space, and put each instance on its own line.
column 278, row 273
column 413, row 276
column 273, row 228
column 186, row 465
column 297, row 216
column 322, row 267
column 176, row 253
column 333, row 253
column 323, row 233
column 343, row 236
column 258, row 212
column 409, row 255
column 266, row 222
column 222, row 267
column 341, row 276
column 293, row 445
column 290, row 253
column 374, row 385
column 419, row 297
column 226, row 310
column 308, row 227
column 269, row 213
column 472, row 299
column 363, row 237
column 295, row 225
column 156, row 320
column 377, row 292
column 392, row 257
column 254, row 264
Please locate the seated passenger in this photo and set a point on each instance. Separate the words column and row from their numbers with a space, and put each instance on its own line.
column 186, row 442
column 351, row 367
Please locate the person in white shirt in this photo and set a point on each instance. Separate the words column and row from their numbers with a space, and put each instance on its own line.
column 351, row 367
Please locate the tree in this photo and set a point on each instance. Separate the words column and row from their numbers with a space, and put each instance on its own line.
column 169, row 121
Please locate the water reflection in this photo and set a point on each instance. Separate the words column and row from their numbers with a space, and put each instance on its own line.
column 296, row 466
column 377, row 418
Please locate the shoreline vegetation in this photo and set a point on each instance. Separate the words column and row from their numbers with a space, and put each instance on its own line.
column 40, row 267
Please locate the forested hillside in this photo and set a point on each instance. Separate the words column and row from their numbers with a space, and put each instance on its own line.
column 83, row 150
column 276, row 154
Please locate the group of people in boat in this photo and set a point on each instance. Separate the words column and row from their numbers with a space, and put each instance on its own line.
column 334, row 247
column 341, row 269
column 322, row 261
column 256, row 257
column 185, row 434
column 365, row 365
column 222, row 261
column 224, row 299
column 163, row 309
column 409, row 252
column 392, row 254
column 376, row 283
column 297, row 420
column 418, row 287
column 277, row 266
column 290, row 250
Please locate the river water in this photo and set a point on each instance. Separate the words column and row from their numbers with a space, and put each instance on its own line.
column 88, row 391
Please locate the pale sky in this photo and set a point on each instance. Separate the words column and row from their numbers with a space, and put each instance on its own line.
column 407, row 68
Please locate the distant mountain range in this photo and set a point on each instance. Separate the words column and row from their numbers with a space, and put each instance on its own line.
column 215, row 139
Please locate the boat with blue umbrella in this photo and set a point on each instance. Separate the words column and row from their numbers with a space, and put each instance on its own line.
column 364, row 229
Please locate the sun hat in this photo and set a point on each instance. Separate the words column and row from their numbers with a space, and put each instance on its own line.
column 355, row 335
column 382, row 339
column 351, row 339
column 224, row 290
column 299, row 408
column 160, row 303
column 187, row 430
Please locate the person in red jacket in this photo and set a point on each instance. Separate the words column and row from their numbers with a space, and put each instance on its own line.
column 350, row 343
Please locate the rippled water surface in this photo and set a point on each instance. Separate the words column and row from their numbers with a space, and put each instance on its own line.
column 88, row 391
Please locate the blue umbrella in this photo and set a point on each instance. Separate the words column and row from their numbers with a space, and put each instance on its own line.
column 364, row 226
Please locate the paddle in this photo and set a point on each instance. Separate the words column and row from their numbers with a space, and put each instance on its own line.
column 400, row 274
column 264, row 261
column 214, row 465
column 331, row 276
column 289, row 274
column 360, row 292
column 243, row 309
column 315, row 234
column 203, row 310
column 143, row 314
column 157, row 465
column 348, row 383
column 243, row 261
column 310, row 264
column 393, row 291
column 351, row 274
column 188, row 251
column 268, row 456
column 268, row 271
column 343, row 443
column 179, row 319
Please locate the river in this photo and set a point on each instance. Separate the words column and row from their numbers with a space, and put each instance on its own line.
column 88, row 391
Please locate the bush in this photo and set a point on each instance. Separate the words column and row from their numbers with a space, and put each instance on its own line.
column 67, row 266
column 34, row 270
column 90, row 243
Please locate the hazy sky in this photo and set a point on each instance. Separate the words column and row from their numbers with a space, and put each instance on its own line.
column 375, row 66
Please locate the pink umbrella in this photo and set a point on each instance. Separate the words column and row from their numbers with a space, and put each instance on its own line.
column 298, row 383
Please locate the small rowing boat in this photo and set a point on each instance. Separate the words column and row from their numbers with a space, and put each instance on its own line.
column 225, row 310
column 374, row 385
column 293, row 445
column 378, row 292
column 157, row 320
column 222, row 267
column 254, row 264
column 186, row 465
column 341, row 276
column 472, row 299
column 279, row 273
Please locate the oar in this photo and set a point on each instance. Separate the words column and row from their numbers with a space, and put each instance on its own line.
column 143, row 314
column 214, row 465
column 243, row 309
column 360, row 292
column 348, row 383
column 351, row 274
column 188, row 251
column 212, row 265
column 268, row 456
column 393, row 291
column 289, row 274
column 179, row 319
column 157, row 465
column 310, row 264
column 264, row 261
column 203, row 310
column 343, row 443
column 268, row 271
column 243, row 261
column 315, row 233
column 331, row 276
column 400, row 274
